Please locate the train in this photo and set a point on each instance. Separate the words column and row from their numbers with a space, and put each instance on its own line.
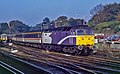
column 3, row 37
column 77, row 40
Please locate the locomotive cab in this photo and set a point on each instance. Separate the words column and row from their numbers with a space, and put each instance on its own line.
column 3, row 37
column 85, row 40
column 84, row 37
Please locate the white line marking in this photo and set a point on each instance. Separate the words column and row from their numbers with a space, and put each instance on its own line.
column 11, row 67
column 32, row 65
column 28, row 63
column 70, row 36
column 8, row 69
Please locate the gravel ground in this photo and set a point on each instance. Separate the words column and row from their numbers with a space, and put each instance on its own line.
column 116, row 46
column 112, row 50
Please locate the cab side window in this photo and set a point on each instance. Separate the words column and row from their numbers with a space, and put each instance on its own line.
column 72, row 32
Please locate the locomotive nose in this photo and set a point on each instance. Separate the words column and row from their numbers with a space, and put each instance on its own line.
column 85, row 40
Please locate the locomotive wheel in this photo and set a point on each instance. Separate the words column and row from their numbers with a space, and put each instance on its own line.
column 49, row 47
column 85, row 51
column 90, row 52
column 77, row 52
column 65, row 50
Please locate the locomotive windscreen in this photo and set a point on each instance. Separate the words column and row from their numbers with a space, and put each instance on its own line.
column 84, row 31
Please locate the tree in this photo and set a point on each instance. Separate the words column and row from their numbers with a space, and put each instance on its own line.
column 4, row 28
column 109, row 12
column 118, row 17
column 46, row 23
column 97, row 9
column 62, row 18
column 72, row 22
column 46, row 20
column 52, row 24
column 61, row 21
column 18, row 26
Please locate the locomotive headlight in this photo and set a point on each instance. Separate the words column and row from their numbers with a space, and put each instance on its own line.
column 94, row 47
column 92, row 38
column 80, row 47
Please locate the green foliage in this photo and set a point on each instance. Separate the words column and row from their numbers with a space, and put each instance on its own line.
column 46, row 20
column 117, row 28
column 4, row 26
column 14, row 27
column 91, row 24
column 105, row 13
column 64, row 21
column 18, row 26
column 115, row 25
column 106, row 19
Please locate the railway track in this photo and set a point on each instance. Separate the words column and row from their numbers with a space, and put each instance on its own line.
column 86, row 63
column 75, row 64
column 48, row 67
column 50, row 60
column 97, row 64
column 17, row 66
column 94, row 66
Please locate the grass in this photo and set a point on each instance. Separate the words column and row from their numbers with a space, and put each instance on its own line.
column 4, row 71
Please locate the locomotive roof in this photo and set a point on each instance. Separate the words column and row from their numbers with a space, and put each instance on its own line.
column 64, row 28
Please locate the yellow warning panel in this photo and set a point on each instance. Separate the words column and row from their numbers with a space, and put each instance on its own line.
column 84, row 40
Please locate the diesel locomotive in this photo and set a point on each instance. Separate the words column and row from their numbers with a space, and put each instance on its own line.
column 3, row 37
column 77, row 40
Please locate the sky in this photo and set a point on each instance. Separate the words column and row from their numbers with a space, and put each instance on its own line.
column 32, row 12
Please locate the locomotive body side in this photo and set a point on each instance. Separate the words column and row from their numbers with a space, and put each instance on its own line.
column 63, row 38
